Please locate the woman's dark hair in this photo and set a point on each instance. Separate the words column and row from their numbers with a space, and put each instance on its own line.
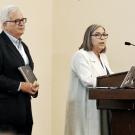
column 87, row 43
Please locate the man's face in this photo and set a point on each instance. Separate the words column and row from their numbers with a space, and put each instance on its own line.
column 16, row 24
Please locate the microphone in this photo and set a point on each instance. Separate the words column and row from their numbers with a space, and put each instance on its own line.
column 128, row 43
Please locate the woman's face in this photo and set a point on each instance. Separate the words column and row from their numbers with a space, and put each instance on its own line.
column 98, row 39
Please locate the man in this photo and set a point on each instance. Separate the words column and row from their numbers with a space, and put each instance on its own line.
column 15, row 93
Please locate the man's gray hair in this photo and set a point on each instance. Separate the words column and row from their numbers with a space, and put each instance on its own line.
column 5, row 13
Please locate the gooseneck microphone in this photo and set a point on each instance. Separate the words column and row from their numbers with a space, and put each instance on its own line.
column 128, row 43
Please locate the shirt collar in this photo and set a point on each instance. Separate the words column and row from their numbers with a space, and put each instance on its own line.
column 13, row 39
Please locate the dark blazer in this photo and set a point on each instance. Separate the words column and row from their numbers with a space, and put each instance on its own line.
column 15, row 106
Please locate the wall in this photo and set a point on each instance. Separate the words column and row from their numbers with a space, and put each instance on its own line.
column 38, row 36
column 70, row 20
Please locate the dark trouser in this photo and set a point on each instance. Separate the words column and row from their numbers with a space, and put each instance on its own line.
column 16, row 130
column 105, row 117
column 24, row 130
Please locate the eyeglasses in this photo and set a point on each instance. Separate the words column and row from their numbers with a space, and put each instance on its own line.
column 18, row 21
column 99, row 35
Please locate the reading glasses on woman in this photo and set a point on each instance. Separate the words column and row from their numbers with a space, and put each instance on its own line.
column 18, row 21
column 99, row 35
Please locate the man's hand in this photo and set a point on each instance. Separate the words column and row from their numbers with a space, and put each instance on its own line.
column 35, row 88
column 29, row 87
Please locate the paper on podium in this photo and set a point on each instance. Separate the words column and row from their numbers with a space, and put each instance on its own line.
column 129, row 80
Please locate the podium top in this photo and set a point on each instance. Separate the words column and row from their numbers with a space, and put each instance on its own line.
column 112, row 80
column 111, row 75
column 104, row 93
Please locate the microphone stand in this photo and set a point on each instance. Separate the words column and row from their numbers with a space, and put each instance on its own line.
column 132, row 44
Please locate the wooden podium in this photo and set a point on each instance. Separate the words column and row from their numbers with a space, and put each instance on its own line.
column 120, row 102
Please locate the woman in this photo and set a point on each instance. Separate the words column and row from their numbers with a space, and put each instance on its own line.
column 82, row 116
